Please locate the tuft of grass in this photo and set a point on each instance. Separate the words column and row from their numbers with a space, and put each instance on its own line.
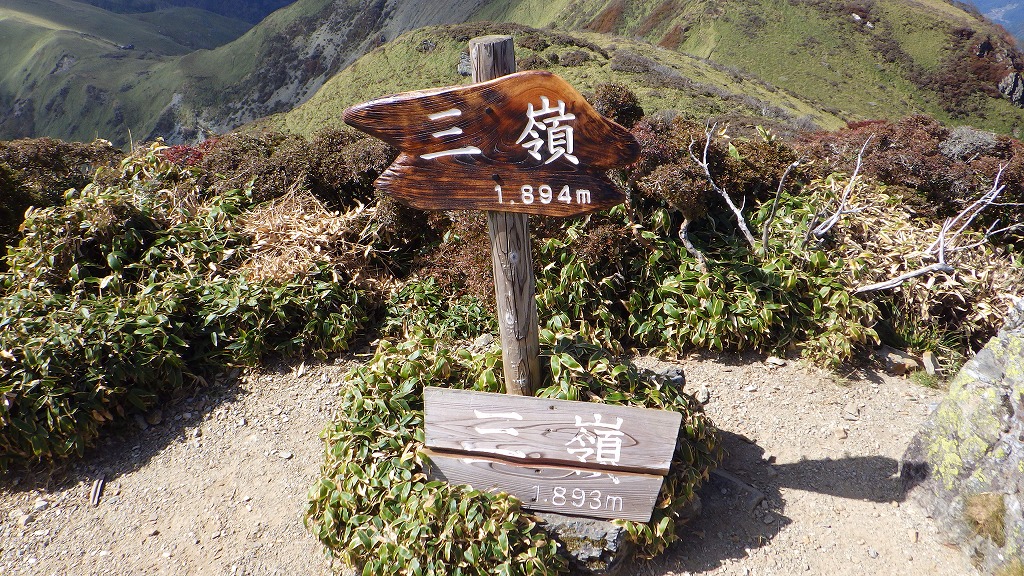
column 922, row 378
column 986, row 515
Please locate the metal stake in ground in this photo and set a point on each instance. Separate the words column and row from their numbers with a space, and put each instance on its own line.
column 514, row 280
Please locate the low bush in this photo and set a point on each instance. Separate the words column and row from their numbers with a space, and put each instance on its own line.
column 618, row 103
column 37, row 171
column 372, row 486
column 126, row 294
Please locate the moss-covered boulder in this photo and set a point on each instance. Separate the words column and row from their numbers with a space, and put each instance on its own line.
column 966, row 465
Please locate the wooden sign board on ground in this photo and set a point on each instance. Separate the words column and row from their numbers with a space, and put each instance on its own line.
column 526, row 428
column 526, row 142
column 573, row 491
column 579, row 458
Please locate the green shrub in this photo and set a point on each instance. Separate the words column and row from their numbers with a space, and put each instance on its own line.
column 420, row 305
column 374, row 508
column 37, row 172
column 121, row 296
column 657, row 296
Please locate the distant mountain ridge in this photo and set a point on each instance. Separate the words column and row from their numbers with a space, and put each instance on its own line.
column 251, row 11
column 1008, row 13
column 852, row 60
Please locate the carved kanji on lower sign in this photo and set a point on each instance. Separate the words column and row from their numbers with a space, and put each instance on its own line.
column 526, row 142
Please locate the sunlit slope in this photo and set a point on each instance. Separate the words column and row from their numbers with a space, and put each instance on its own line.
column 74, row 71
column 663, row 79
column 859, row 60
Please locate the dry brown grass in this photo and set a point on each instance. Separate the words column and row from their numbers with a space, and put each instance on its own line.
column 295, row 233
column 986, row 515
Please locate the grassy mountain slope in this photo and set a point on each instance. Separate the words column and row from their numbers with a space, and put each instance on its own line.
column 65, row 70
column 851, row 60
column 251, row 11
column 663, row 79
column 194, row 28
column 866, row 59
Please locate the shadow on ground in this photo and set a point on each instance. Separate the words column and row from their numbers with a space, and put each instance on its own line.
column 131, row 443
column 742, row 506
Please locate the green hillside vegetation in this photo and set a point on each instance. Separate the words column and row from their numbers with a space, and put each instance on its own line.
column 663, row 80
column 193, row 28
column 67, row 69
column 251, row 11
column 822, row 62
column 906, row 61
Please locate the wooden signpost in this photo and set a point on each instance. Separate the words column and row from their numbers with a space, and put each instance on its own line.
column 581, row 458
column 513, row 145
column 526, row 143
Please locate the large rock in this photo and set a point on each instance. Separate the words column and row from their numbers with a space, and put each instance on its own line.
column 598, row 547
column 594, row 547
column 966, row 466
column 1012, row 86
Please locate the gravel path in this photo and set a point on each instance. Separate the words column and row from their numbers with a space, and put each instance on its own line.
column 216, row 483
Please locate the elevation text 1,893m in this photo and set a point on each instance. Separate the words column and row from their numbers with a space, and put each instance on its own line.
column 545, row 195
column 578, row 498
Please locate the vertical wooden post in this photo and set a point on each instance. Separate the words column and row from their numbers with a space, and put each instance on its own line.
column 514, row 281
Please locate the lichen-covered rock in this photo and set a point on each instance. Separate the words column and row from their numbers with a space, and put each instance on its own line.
column 593, row 546
column 597, row 547
column 966, row 466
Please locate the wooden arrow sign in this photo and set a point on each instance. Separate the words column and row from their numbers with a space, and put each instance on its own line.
column 525, row 142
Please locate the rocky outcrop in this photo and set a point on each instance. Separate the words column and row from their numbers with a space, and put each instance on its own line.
column 1012, row 86
column 966, row 466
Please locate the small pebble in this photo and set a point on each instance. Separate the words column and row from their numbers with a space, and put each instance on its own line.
column 285, row 455
column 703, row 395
column 155, row 417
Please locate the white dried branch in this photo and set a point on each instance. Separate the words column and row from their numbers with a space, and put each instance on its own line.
column 703, row 163
column 966, row 216
column 824, row 227
column 937, row 267
column 775, row 203
column 946, row 243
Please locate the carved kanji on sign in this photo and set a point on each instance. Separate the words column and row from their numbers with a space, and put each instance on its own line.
column 526, row 142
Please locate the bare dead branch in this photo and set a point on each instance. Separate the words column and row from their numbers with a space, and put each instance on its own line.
column 775, row 204
column 703, row 163
column 967, row 215
column 823, row 228
column 937, row 267
column 946, row 242
column 684, row 237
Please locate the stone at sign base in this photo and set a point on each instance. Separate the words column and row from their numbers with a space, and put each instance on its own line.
column 598, row 547
column 966, row 465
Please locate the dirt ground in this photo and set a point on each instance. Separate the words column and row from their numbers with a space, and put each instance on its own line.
column 216, row 483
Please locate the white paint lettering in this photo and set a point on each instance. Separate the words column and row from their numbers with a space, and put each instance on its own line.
column 445, row 114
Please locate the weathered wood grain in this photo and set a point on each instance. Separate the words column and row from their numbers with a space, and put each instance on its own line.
column 514, row 280
column 578, row 492
column 514, row 289
column 464, row 147
column 531, row 429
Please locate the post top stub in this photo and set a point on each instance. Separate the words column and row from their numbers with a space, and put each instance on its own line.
column 490, row 39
